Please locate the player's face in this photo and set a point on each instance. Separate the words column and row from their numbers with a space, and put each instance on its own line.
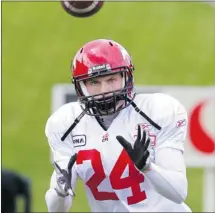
column 104, row 84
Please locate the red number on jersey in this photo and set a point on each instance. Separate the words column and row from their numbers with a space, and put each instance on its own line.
column 98, row 176
column 133, row 180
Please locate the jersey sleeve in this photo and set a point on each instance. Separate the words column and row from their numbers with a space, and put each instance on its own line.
column 54, row 130
column 173, row 119
column 61, row 151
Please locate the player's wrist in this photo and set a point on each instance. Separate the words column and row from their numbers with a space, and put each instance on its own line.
column 147, row 168
column 60, row 193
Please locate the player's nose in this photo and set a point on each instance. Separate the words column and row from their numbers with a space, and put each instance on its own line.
column 105, row 87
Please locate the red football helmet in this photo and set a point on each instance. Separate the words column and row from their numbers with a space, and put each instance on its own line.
column 98, row 58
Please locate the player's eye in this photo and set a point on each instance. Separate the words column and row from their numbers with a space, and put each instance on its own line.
column 94, row 82
column 111, row 80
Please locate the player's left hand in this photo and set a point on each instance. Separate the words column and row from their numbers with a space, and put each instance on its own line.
column 140, row 153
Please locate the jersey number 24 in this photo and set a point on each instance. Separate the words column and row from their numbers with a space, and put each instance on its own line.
column 117, row 182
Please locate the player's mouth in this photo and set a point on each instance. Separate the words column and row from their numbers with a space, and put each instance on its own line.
column 105, row 104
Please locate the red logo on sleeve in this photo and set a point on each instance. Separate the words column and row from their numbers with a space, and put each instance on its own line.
column 181, row 123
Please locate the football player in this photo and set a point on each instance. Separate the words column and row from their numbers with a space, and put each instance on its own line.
column 126, row 148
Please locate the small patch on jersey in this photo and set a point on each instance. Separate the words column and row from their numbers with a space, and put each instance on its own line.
column 79, row 140
column 181, row 123
column 105, row 137
column 149, row 129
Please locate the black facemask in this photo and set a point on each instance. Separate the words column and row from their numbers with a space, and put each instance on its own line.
column 105, row 105
column 109, row 102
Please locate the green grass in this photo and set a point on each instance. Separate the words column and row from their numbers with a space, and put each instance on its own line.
column 171, row 43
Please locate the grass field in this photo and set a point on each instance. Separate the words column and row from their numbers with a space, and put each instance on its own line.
column 171, row 43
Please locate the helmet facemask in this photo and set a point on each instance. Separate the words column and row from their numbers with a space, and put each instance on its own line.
column 109, row 102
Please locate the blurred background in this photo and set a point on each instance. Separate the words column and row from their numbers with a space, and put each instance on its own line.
column 172, row 43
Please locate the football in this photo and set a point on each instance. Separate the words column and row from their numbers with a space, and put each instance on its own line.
column 81, row 9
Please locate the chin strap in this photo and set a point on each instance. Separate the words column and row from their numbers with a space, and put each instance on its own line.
column 144, row 115
column 76, row 121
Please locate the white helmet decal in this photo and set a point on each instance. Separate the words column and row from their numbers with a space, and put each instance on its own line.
column 123, row 51
column 74, row 62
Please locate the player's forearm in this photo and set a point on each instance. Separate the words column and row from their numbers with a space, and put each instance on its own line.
column 56, row 203
column 170, row 184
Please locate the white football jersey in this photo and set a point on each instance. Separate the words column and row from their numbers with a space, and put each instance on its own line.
column 111, row 181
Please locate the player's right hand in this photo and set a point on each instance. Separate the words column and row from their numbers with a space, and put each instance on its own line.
column 64, row 178
column 140, row 152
